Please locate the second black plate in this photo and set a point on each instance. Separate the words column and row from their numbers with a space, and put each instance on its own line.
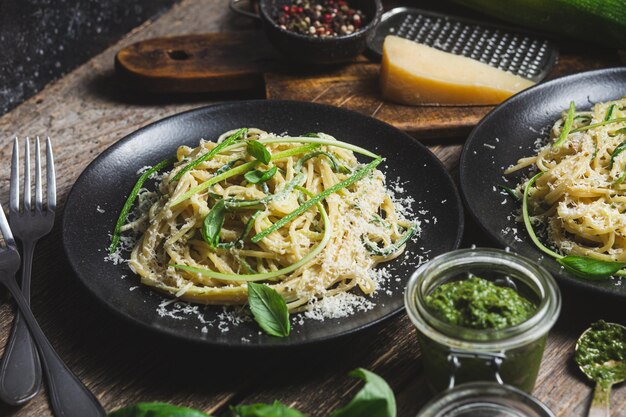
column 95, row 200
column 511, row 131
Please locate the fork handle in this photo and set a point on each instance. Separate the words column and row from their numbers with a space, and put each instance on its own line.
column 68, row 396
column 20, row 370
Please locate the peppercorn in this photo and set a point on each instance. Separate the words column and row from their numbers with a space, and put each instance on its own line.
column 319, row 18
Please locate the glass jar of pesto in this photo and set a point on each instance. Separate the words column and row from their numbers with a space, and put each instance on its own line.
column 480, row 313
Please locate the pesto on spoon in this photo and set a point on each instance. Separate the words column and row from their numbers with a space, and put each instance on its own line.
column 601, row 355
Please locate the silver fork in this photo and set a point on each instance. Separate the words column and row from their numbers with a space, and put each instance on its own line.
column 20, row 370
column 68, row 396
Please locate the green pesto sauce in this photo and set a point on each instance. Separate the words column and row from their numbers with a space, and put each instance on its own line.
column 477, row 303
column 601, row 352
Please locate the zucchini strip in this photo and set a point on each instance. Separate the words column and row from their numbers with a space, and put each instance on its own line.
column 117, row 232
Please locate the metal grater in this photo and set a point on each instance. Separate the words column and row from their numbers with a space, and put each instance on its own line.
column 521, row 53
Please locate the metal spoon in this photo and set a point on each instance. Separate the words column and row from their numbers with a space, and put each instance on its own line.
column 605, row 373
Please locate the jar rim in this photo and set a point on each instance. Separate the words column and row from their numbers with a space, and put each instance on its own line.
column 475, row 393
column 511, row 337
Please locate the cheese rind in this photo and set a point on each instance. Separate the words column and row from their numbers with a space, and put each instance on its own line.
column 412, row 73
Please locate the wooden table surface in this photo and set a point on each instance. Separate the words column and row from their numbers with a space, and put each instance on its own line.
column 84, row 113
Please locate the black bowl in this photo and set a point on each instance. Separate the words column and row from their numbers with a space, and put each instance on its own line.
column 317, row 51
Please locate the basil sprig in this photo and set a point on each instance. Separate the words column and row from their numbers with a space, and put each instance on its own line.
column 269, row 309
column 276, row 409
column 375, row 399
column 156, row 410
column 258, row 151
column 257, row 176
column 213, row 223
column 582, row 266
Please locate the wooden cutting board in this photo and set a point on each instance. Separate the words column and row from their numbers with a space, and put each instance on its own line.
column 245, row 61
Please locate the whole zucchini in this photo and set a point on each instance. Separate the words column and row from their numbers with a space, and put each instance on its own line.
column 600, row 21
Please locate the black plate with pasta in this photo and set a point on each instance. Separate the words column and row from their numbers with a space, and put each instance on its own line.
column 179, row 231
column 583, row 175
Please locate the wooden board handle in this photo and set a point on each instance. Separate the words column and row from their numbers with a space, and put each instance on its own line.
column 224, row 61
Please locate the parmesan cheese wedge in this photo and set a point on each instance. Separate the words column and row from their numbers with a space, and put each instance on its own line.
column 412, row 73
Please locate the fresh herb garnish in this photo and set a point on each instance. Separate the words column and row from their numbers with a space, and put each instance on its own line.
column 269, row 309
column 213, row 222
column 258, row 151
column 220, row 146
column 156, row 410
column 618, row 150
column 590, row 268
column 314, row 200
column 511, row 192
column 115, row 238
column 257, row 176
column 375, row 399
column 567, row 126
column 276, row 409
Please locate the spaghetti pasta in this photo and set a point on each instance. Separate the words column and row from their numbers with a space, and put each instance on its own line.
column 580, row 198
column 310, row 221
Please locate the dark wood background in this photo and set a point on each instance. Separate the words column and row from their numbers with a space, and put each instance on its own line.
column 87, row 110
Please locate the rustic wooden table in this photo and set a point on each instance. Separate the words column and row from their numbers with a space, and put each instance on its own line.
column 84, row 113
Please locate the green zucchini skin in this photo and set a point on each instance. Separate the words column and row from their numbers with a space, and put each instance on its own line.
column 600, row 21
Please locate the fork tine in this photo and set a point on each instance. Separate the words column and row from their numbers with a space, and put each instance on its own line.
column 38, row 197
column 51, row 178
column 6, row 230
column 14, row 200
column 27, row 176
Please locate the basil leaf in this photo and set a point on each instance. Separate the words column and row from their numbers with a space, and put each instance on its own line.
column 213, row 223
column 276, row 409
column 311, row 135
column 618, row 150
column 156, row 410
column 590, row 268
column 256, row 176
column 258, row 151
column 269, row 309
column 375, row 399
